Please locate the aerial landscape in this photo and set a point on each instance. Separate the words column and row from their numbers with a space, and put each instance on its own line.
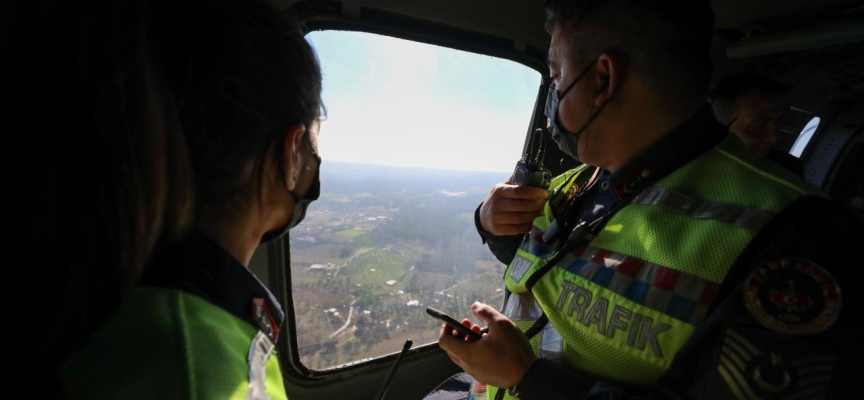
column 380, row 245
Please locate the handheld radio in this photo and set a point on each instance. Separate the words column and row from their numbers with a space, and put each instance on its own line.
column 530, row 170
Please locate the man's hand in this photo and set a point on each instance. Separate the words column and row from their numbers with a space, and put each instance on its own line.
column 510, row 209
column 500, row 358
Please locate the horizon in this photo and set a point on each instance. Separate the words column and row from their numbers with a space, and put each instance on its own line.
column 422, row 168
column 433, row 106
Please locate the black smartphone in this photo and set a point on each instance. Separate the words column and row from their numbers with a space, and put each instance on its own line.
column 453, row 323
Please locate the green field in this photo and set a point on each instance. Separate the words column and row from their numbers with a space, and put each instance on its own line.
column 350, row 233
column 368, row 273
column 320, row 254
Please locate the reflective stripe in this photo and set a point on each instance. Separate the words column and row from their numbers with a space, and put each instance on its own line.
column 519, row 266
column 552, row 344
column 259, row 352
column 734, row 214
column 522, row 307
column 680, row 295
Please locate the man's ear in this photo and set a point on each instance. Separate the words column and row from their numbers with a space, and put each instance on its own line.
column 291, row 151
column 612, row 70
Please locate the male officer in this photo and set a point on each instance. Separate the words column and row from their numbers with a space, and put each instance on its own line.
column 674, row 263
column 749, row 105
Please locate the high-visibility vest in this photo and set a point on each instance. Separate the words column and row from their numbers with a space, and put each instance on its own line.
column 168, row 344
column 621, row 306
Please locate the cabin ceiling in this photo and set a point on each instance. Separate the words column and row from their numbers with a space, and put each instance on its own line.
column 793, row 41
column 522, row 20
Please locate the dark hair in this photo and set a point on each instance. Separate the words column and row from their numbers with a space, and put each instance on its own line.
column 667, row 43
column 98, row 163
column 244, row 75
column 723, row 96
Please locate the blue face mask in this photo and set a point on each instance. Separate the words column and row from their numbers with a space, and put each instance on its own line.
column 300, row 206
column 567, row 141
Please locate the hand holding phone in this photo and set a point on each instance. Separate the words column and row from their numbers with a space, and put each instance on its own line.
column 451, row 322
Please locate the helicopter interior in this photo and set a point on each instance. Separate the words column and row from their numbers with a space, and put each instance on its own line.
column 814, row 48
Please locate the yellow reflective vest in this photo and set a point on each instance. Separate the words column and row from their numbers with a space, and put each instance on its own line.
column 622, row 305
column 168, row 344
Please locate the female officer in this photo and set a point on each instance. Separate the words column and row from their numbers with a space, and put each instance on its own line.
column 248, row 87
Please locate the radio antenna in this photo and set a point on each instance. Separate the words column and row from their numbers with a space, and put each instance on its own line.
column 383, row 391
column 540, row 156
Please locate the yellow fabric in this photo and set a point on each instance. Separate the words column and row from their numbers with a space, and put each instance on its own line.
column 168, row 344
column 590, row 347
column 560, row 183
column 657, row 235
column 519, row 287
column 653, row 233
column 706, row 248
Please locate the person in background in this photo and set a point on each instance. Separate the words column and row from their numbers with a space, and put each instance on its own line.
column 200, row 324
column 95, row 170
column 749, row 105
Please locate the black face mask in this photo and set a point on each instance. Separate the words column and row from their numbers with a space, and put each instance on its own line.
column 567, row 141
column 300, row 206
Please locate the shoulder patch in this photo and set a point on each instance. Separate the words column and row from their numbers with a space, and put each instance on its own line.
column 755, row 365
column 793, row 297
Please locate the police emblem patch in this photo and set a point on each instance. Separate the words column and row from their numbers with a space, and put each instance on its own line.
column 793, row 297
column 266, row 323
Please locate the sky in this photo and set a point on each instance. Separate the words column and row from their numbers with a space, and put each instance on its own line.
column 396, row 102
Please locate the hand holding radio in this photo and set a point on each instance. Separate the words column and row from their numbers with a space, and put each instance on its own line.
column 511, row 207
column 530, row 170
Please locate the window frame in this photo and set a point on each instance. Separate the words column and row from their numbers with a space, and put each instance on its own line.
column 278, row 252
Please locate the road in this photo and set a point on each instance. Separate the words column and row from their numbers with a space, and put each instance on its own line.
column 347, row 321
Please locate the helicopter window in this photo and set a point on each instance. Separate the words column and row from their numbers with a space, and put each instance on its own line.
column 414, row 137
